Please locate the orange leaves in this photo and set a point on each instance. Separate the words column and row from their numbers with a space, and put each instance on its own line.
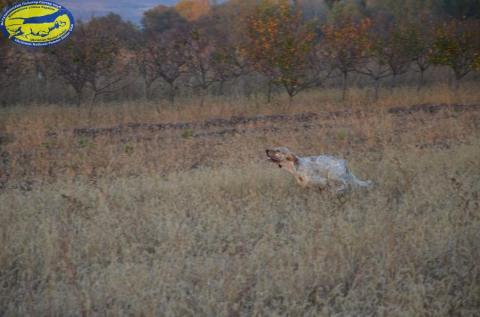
column 276, row 29
column 347, row 33
column 193, row 9
column 280, row 44
column 346, row 43
column 457, row 45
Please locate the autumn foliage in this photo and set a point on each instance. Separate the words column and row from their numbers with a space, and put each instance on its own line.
column 457, row 45
column 200, row 47
column 346, row 45
column 193, row 9
column 281, row 46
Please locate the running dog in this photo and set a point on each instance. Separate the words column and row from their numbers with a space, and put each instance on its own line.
column 323, row 171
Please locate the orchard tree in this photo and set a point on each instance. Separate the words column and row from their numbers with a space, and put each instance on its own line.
column 420, row 36
column 457, row 45
column 93, row 57
column 192, row 10
column 109, row 62
column 377, row 54
column 212, row 55
column 397, row 51
column 160, row 19
column 159, row 54
column 69, row 61
column 146, row 68
column 202, row 62
column 281, row 47
column 166, row 59
column 224, row 34
column 344, row 46
column 228, row 64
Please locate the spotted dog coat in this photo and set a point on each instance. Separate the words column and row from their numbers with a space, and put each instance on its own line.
column 323, row 171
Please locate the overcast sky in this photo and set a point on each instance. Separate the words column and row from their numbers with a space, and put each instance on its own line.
column 129, row 9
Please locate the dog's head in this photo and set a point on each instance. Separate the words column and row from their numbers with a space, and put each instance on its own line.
column 282, row 156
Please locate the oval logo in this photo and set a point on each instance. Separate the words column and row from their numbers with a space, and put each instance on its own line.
column 36, row 23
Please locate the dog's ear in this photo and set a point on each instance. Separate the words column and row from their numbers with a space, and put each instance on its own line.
column 292, row 157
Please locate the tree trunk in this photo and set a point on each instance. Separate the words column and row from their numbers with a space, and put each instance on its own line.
column 92, row 103
column 459, row 75
column 393, row 82
column 450, row 79
column 171, row 94
column 203, row 92
column 290, row 100
column 269, row 92
column 377, row 87
column 345, row 85
column 147, row 88
column 221, row 88
column 422, row 79
column 456, row 86
column 78, row 92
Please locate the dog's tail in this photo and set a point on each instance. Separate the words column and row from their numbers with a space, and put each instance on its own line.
column 363, row 184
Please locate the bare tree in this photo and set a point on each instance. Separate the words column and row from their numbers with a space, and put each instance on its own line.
column 94, row 57
column 69, row 60
column 108, row 60
column 224, row 33
column 457, row 45
column 146, row 69
column 200, row 54
column 396, row 51
column 376, row 65
column 167, row 59
column 344, row 45
column 420, row 38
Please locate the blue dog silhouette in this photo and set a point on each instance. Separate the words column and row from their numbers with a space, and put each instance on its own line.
column 25, row 27
column 49, row 18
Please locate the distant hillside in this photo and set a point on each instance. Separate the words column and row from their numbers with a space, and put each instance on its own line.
column 128, row 9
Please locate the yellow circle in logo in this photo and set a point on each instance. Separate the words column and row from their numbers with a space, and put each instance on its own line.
column 36, row 23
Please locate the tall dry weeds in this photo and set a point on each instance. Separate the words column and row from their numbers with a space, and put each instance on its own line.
column 182, row 222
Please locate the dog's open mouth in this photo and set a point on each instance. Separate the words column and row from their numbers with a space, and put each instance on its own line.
column 273, row 160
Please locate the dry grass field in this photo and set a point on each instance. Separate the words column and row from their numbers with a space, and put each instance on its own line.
column 153, row 210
